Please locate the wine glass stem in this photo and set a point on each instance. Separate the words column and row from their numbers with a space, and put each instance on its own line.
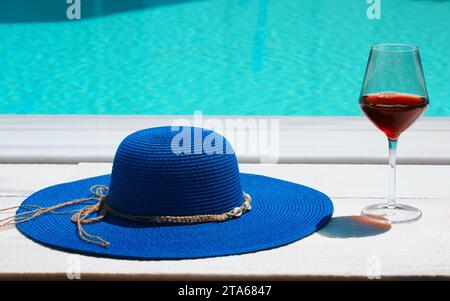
column 392, row 167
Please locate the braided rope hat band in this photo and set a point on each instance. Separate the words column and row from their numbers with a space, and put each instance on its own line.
column 157, row 204
column 83, row 216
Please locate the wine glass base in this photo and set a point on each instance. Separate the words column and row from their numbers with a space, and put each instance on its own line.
column 391, row 214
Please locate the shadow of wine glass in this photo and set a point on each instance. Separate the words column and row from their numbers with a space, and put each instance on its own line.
column 353, row 226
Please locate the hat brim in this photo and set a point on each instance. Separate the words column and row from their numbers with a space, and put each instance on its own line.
column 282, row 212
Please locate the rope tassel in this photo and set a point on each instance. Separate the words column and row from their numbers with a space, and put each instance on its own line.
column 85, row 215
column 80, row 217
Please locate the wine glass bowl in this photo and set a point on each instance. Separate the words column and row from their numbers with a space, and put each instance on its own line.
column 393, row 97
column 393, row 112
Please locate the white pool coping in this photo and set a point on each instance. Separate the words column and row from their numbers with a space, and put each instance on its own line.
column 319, row 140
column 344, row 249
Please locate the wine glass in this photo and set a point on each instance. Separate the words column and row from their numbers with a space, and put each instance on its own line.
column 393, row 96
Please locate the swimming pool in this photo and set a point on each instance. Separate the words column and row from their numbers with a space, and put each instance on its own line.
column 230, row 57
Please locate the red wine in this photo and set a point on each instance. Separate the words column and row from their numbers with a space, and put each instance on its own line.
column 393, row 112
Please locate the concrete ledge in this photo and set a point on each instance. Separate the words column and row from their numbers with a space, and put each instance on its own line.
column 346, row 249
column 342, row 140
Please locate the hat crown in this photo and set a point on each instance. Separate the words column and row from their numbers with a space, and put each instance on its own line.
column 175, row 171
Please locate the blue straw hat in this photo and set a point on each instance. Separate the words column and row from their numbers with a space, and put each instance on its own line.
column 173, row 193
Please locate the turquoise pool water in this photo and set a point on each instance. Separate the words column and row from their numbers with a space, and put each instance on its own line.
column 249, row 57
